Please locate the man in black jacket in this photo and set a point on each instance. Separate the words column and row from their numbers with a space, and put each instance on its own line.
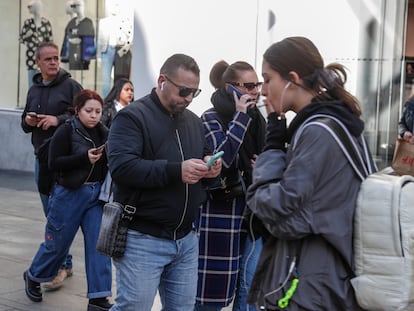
column 49, row 104
column 157, row 160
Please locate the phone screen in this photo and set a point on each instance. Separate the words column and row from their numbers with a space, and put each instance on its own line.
column 214, row 158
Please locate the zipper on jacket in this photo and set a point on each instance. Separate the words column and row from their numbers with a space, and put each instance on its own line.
column 186, row 187
column 93, row 146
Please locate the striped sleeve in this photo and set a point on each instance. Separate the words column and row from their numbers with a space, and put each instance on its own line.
column 227, row 139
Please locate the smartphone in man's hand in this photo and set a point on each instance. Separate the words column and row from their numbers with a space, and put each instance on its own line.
column 32, row 114
column 214, row 158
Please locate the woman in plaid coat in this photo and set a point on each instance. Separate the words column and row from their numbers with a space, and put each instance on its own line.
column 234, row 125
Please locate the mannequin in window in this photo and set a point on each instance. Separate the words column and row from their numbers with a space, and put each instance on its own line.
column 64, row 51
column 35, row 30
column 114, row 45
column 80, row 34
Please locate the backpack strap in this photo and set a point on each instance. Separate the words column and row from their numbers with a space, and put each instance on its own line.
column 360, row 162
column 353, row 155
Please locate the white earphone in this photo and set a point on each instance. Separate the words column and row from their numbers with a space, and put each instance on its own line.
column 283, row 95
column 162, row 86
column 287, row 85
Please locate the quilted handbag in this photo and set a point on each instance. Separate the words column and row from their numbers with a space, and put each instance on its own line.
column 114, row 228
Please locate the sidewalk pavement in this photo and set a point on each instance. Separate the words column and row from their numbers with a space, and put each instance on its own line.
column 22, row 226
column 21, row 231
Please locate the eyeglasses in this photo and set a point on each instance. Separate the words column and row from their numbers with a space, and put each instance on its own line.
column 185, row 91
column 248, row 85
column 74, row 5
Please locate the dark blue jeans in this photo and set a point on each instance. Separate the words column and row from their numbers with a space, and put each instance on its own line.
column 68, row 210
column 67, row 262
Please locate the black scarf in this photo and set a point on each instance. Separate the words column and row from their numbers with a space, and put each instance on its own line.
column 253, row 142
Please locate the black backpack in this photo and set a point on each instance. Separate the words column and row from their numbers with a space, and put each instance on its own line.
column 46, row 175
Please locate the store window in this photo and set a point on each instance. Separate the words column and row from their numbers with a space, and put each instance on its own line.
column 94, row 37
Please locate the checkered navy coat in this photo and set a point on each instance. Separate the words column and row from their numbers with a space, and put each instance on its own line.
column 220, row 222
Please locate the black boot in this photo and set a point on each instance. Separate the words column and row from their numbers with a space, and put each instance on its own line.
column 99, row 304
column 32, row 288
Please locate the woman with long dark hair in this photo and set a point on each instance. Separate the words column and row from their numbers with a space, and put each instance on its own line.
column 304, row 189
column 120, row 96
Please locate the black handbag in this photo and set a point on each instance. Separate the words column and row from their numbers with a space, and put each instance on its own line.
column 230, row 186
column 114, row 229
column 227, row 193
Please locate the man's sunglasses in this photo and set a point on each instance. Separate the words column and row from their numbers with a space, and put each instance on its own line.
column 248, row 85
column 184, row 91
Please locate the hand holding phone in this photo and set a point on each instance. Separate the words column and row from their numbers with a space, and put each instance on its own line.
column 99, row 149
column 32, row 114
column 231, row 88
column 214, row 158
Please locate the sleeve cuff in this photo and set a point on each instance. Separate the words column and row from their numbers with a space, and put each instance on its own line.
column 174, row 171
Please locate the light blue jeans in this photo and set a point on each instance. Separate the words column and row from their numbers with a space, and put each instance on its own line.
column 68, row 210
column 107, row 62
column 67, row 262
column 248, row 263
column 151, row 263
column 30, row 75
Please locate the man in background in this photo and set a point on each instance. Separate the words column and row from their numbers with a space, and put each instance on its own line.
column 49, row 104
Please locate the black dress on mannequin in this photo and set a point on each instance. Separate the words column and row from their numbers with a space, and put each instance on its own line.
column 80, row 39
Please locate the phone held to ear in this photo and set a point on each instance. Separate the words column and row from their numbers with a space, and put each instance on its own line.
column 239, row 93
column 214, row 158
column 232, row 88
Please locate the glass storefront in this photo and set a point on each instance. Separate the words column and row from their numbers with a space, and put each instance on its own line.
column 96, row 39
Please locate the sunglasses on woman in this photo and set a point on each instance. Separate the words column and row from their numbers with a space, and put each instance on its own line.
column 248, row 85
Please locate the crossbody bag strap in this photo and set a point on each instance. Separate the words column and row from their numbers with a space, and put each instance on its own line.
column 129, row 210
